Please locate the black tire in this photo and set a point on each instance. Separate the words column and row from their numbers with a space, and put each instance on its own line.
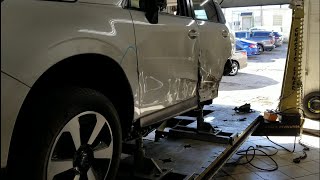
column 235, row 68
column 260, row 48
column 311, row 105
column 227, row 67
column 49, row 117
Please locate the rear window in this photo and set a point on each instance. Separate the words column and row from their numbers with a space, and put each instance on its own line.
column 261, row 34
column 241, row 35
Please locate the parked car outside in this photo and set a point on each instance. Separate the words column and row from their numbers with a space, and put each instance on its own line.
column 239, row 61
column 278, row 38
column 250, row 46
column 267, row 28
column 242, row 34
column 265, row 39
column 80, row 79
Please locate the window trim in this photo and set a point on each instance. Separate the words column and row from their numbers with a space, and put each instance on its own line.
column 221, row 17
column 215, row 6
column 177, row 16
column 127, row 5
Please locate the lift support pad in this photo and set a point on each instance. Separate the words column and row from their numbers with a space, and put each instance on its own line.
column 194, row 159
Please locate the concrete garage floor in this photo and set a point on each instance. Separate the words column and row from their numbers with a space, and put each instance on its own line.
column 260, row 84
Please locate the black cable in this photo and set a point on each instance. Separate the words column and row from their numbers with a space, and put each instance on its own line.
column 260, row 146
column 245, row 153
column 305, row 147
column 294, row 145
column 298, row 159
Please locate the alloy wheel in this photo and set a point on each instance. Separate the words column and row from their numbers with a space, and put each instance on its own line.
column 234, row 68
column 260, row 48
column 82, row 150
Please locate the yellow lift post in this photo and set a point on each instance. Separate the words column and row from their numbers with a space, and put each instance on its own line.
column 290, row 99
column 289, row 109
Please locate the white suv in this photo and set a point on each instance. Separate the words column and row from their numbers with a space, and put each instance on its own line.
column 78, row 77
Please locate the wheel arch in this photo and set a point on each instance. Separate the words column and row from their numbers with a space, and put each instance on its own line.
column 101, row 73
column 261, row 45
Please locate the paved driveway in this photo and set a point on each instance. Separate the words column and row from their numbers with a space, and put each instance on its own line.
column 259, row 83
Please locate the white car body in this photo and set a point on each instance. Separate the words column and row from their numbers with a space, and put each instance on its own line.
column 158, row 63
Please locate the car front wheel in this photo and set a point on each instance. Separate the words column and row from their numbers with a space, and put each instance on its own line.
column 78, row 136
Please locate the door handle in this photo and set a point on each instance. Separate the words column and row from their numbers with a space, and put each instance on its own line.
column 193, row 34
column 225, row 33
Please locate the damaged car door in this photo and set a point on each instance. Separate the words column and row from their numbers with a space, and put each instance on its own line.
column 168, row 54
column 215, row 45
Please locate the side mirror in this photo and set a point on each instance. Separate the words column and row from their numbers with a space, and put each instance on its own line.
column 151, row 9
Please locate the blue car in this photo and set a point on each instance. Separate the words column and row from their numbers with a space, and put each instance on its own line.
column 250, row 46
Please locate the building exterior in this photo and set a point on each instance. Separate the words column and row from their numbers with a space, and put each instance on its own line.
column 277, row 18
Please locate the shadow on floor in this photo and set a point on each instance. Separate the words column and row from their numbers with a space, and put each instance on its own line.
column 245, row 81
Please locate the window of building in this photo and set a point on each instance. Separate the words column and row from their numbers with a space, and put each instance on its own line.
column 277, row 20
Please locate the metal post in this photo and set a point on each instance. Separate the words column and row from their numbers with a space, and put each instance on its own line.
column 290, row 98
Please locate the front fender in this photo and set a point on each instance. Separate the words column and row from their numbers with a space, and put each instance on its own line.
column 78, row 46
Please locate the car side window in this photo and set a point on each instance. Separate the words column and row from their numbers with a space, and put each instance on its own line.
column 205, row 10
column 174, row 7
column 262, row 34
column 240, row 35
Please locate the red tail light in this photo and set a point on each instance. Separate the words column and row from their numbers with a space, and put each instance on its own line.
column 253, row 46
column 244, row 53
